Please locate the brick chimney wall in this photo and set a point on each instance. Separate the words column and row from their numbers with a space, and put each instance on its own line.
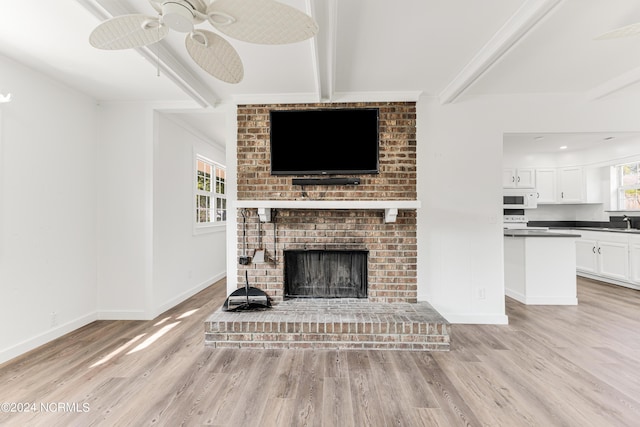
column 392, row 247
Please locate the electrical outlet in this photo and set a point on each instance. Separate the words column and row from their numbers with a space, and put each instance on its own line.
column 482, row 294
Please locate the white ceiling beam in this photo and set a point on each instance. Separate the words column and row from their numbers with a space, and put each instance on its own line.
column 614, row 85
column 159, row 55
column 325, row 12
column 523, row 21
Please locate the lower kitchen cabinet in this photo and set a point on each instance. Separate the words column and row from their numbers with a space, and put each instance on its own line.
column 634, row 259
column 609, row 256
column 587, row 255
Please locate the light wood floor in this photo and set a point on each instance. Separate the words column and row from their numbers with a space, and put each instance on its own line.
column 551, row 366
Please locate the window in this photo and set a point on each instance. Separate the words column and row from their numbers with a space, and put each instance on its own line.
column 211, row 199
column 628, row 177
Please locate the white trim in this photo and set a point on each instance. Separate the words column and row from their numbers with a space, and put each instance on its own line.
column 614, row 85
column 216, row 227
column 329, row 204
column 405, row 96
column 518, row 26
column 188, row 293
column 540, row 300
column 608, row 280
column 124, row 315
column 324, row 47
column 45, row 337
column 474, row 319
column 390, row 207
column 312, row 98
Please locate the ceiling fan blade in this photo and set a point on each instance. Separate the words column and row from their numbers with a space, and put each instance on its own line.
column 261, row 21
column 127, row 31
column 215, row 55
column 626, row 31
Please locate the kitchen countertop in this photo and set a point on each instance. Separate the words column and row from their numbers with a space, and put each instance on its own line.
column 615, row 230
column 522, row 232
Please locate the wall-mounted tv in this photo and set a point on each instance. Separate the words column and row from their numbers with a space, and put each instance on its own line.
column 324, row 141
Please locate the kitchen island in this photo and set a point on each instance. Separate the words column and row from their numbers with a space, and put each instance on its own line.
column 540, row 267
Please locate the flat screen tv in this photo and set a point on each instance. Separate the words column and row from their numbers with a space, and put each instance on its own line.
column 324, row 141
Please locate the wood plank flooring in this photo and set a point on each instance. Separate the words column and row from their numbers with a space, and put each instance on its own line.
column 551, row 366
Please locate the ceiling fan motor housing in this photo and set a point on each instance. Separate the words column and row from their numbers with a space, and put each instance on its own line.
column 178, row 16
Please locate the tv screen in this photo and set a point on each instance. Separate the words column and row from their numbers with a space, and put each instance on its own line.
column 324, row 142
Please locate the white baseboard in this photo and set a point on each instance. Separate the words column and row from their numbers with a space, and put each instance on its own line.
column 38, row 340
column 541, row 300
column 608, row 280
column 476, row 319
column 123, row 315
column 187, row 294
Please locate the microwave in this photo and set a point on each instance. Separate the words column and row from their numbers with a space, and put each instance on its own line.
column 519, row 199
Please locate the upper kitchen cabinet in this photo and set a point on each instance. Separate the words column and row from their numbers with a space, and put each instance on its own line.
column 579, row 184
column 571, row 186
column 546, row 185
column 518, row 178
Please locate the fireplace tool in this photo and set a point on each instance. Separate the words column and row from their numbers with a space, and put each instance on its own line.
column 260, row 254
column 244, row 258
column 247, row 298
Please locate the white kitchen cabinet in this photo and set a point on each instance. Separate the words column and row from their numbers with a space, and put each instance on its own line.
column 579, row 184
column 518, row 178
column 613, row 259
column 603, row 254
column 570, row 185
column 587, row 255
column 546, row 186
column 634, row 258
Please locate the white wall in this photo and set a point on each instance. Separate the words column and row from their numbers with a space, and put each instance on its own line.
column 125, row 211
column 47, row 210
column 460, row 244
column 185, row 260
column 86, row 229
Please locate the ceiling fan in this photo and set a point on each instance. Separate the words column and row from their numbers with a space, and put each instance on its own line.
column 253, row 21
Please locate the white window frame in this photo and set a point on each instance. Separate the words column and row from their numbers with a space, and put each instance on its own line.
column 620, row 187
column 215, row 197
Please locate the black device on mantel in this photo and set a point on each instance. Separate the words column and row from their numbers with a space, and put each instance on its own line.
column 325, row 181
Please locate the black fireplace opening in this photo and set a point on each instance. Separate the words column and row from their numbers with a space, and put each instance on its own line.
column 325, row 273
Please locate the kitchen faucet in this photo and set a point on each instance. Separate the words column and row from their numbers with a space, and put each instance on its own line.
column 628, row 220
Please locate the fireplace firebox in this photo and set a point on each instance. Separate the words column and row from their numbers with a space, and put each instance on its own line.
column 325, row 273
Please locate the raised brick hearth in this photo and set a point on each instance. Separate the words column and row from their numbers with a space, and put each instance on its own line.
column 331, row 324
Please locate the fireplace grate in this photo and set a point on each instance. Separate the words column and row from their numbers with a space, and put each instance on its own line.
column 325, row 273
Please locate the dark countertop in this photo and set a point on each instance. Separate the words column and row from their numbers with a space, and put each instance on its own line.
column 608, row 229
column 615, row 224
column 522, row 232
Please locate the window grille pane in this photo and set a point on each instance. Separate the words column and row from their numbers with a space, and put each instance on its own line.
column 630, row 199
column 629, row 174
column 221, row 209
column 210, row 180
column 203, row 214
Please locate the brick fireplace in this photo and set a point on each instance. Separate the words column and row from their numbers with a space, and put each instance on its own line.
column 392, row 246
column 377, row 218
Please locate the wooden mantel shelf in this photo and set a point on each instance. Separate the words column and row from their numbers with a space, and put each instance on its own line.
column 390, row 207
